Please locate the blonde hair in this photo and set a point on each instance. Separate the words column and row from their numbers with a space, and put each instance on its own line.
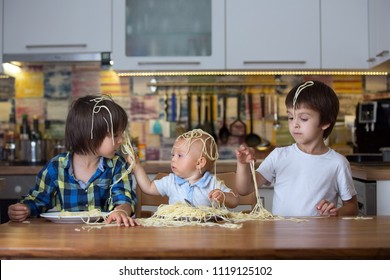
column 209, row 148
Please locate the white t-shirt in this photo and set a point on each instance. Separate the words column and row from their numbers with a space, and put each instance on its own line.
column 302, row 180
column 177, row 189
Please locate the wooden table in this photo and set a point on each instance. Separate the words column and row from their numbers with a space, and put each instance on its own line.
column 315, row 238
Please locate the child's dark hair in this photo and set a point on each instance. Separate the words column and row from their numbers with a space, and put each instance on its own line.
column 106, row 116
column 318, row 97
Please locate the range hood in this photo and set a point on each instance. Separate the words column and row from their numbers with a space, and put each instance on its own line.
column 104, row 57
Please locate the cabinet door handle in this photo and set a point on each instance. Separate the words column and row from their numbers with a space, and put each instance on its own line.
column 371, row 59
column 275, row 62
column 169, row 63
column 383, row 53
column 56, row 46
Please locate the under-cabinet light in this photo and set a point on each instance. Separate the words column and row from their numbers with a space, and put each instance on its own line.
column 11, row 69
column 251, row 73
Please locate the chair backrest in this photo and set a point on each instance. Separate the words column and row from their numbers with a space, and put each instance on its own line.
column 145, row 200
column 229, row 178
column 153, row 201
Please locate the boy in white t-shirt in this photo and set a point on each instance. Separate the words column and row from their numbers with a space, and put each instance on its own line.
column 308, row 176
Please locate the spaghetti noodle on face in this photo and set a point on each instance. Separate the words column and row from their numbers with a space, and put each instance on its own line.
column 199, row 145
column 90, row 119
column 208, row 149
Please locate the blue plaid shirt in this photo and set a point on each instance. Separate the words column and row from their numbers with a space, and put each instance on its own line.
column 56, row 186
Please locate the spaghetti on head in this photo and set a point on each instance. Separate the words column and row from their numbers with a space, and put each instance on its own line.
column 317, row 96
column 90, row 120
column 202, row 139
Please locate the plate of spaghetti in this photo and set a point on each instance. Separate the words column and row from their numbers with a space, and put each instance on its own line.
column 82, row 217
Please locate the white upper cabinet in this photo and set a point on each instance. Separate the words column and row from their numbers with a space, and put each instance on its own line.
column 57, row 26
column 1, row 37
column 168, row 35
column 379, row 37
column 278, row 34
column 344, row 34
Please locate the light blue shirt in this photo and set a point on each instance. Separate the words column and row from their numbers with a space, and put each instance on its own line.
column 177, row 189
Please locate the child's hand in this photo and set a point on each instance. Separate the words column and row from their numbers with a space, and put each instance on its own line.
column 18, row 212
column 326, row 208
column 121, row 217
column 245, row 154
column 130, row 160
column 217, row 195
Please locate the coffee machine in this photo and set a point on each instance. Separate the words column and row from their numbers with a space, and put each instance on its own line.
column 372, row 126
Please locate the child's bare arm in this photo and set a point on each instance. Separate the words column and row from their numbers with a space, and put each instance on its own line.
column 244, row 178
column 244, row 181
column 143, row 181
column 349, row 208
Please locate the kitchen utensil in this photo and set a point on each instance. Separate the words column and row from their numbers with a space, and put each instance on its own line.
column 224, row 132
column 206, row 126
column 211, row 97
column 264, row 141
column 189, row 203
column 180, row 129
column 157, row 127
column 276, row 124
column 252, row 139
column 238, row 127
column 173, row 115
column 189, row 110
column 173, row 107
column 199, row 99
column 166, row 105
column 166, row 128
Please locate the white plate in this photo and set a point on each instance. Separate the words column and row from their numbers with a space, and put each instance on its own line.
column 56, row 217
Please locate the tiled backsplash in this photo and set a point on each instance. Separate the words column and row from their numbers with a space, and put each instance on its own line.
column 48, row 90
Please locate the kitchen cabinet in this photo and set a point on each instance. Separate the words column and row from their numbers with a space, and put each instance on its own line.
column 168, row 35
column 378, row 176
column 366, row 196
column 267, row 196
column 1, row 37
column 379, row 38
column 344, row 34
column 56, row 26
column 17, row 186
column 279, row 34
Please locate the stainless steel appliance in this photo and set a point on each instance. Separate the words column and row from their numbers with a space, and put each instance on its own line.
column 366, row 196
column 372, row 126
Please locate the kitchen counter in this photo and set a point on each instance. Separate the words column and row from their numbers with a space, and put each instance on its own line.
column 311, row 238
column 151, row 167
column 359, row 171
column 380, row 173
column 371, row 172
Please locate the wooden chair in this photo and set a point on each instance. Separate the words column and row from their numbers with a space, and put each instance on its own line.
column 148, row 203
column 246, row 201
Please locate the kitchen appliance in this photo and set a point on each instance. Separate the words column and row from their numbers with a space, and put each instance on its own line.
column 372, row 126
column 366, row 196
